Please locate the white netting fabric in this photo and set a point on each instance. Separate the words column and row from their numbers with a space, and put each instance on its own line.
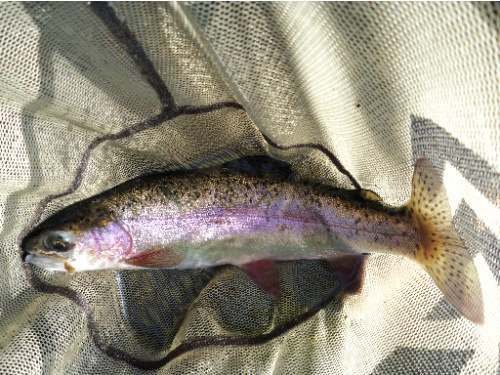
column 378, row 85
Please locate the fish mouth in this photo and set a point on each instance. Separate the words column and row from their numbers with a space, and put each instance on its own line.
column 48, row 263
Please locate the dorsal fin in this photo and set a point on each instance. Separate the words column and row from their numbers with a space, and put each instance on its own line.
column 260, row 166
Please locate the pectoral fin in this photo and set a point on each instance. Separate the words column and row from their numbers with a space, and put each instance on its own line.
column 157, row 258
column 264, row 274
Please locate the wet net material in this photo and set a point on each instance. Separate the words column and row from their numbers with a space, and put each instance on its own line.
column 92, row 95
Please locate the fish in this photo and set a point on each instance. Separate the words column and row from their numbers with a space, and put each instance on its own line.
column 252, row 213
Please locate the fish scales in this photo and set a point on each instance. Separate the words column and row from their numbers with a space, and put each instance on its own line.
column 205, row 210
column 250, row 217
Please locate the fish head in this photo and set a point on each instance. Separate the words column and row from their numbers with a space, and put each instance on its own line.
column 82, row 237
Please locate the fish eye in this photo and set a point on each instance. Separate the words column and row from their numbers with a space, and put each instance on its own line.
column 58, row 241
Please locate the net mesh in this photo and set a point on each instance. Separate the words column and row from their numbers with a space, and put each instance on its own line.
column 348, row 93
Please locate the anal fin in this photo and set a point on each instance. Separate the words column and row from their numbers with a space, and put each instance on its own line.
column 349, row 269
column 264, row 273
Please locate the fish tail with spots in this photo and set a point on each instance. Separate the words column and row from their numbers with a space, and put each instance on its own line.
column 252, row 218
column 440, row 250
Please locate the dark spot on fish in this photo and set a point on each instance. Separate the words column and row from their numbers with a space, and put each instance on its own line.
column 375, row 238
column 435, row 248
column 366, row 216
column 397, row 221
column 357, row 220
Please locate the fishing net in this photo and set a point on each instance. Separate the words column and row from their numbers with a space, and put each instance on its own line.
column 92, row 95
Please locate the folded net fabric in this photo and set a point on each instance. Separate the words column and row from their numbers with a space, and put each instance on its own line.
column 94, row 95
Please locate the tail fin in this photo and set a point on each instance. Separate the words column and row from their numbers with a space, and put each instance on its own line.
column 440, row 251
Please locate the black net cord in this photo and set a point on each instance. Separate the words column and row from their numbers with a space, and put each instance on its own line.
column 350, row 278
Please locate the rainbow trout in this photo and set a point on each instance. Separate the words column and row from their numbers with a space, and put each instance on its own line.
column 251, row 213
